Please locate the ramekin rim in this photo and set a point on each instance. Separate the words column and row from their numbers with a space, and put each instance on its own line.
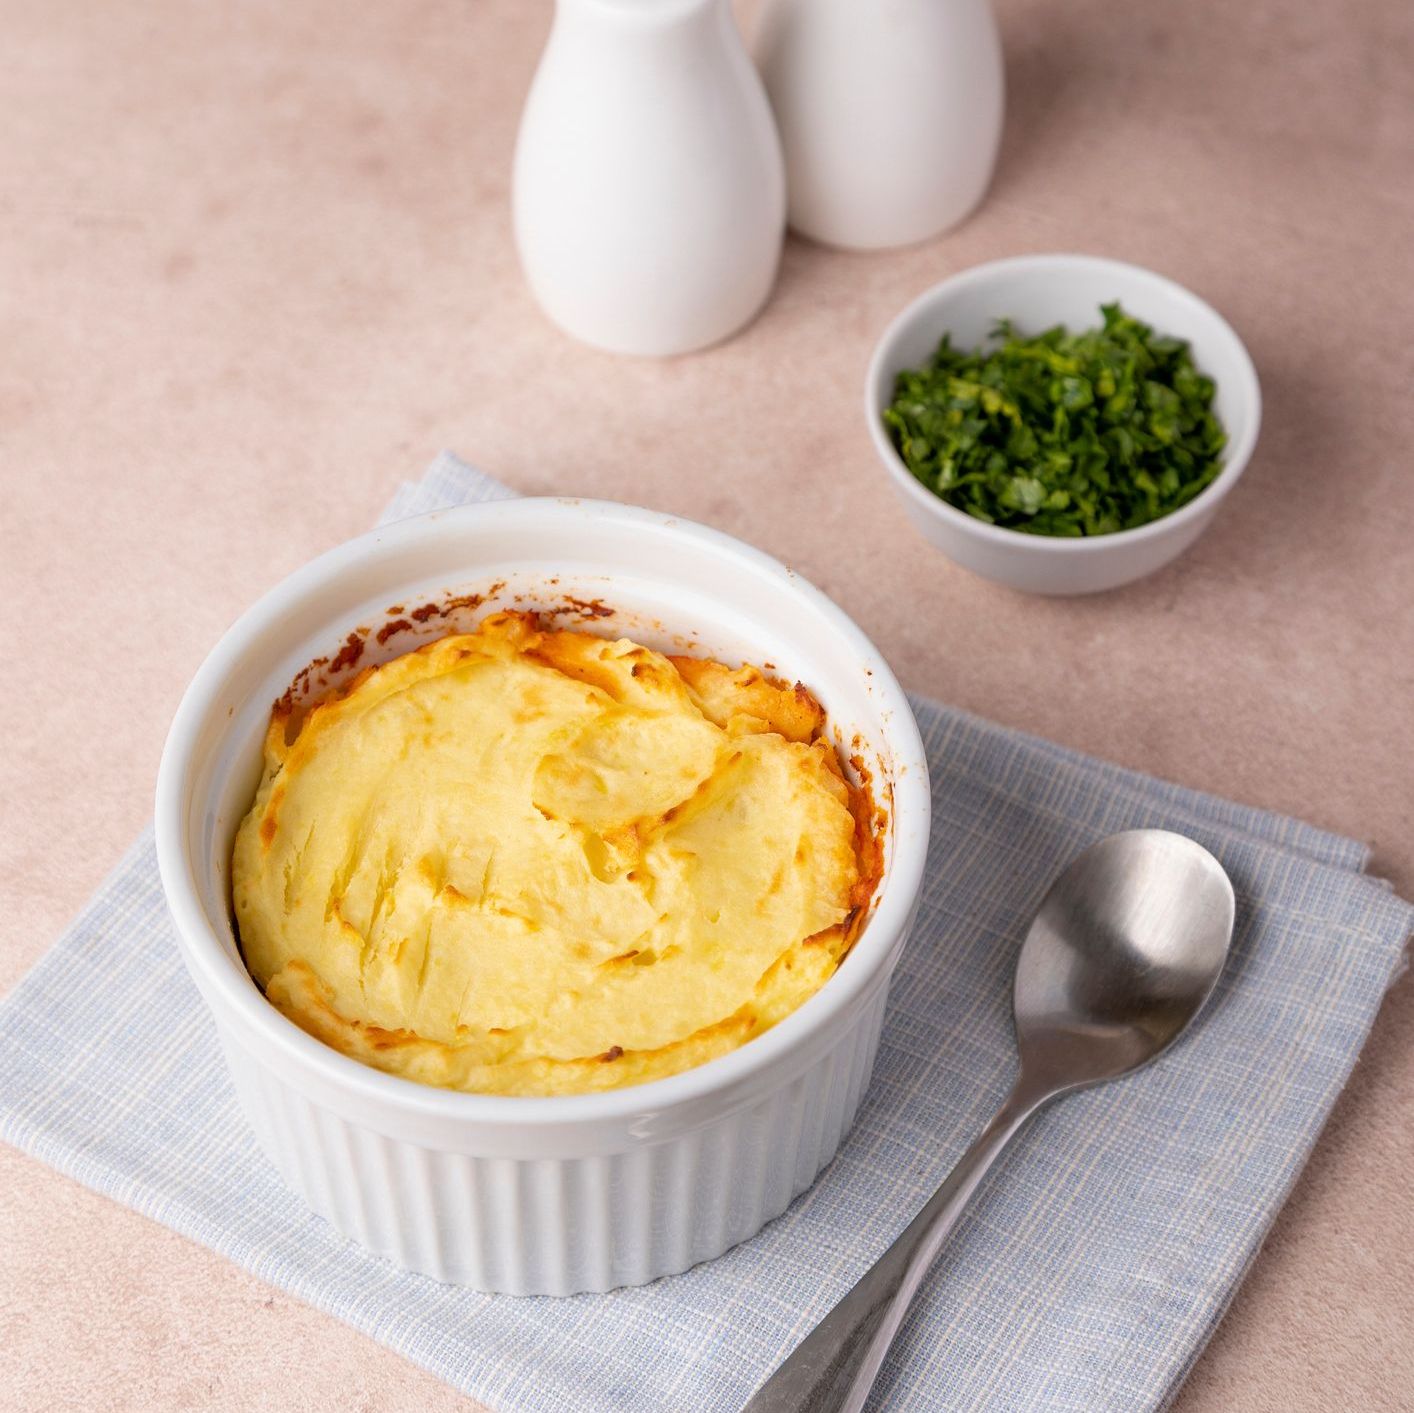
column 242, row 1003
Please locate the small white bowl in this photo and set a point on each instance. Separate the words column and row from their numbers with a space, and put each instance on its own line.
column 563, row 1194
column 1036, row 292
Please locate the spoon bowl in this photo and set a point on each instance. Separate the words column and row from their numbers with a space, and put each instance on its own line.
column 1124, row 951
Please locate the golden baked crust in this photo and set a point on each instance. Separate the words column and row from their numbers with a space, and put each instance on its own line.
column 534, row 861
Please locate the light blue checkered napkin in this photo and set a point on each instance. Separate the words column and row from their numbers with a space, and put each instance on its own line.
column 1087, row 1276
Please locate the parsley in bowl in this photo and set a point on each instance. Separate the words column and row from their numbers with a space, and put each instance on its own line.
column 1061, row 433
column 1062, row 423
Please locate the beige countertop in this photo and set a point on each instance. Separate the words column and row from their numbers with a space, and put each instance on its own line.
column 257, row 267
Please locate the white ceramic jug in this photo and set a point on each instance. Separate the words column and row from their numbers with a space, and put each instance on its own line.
column 649, row 188
column 890, row 113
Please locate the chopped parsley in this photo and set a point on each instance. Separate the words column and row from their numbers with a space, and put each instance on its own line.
column 1061, row 433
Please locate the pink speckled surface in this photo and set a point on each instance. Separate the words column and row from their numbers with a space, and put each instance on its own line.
column 257, row 266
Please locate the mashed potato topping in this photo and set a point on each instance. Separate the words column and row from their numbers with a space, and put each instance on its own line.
column 534, row 861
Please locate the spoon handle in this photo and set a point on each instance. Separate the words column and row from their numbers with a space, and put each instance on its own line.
column 833, row 1368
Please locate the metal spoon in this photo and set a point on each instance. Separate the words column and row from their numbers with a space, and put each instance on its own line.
column 1125, row 949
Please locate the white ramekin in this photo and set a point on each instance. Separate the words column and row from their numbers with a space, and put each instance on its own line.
column 1036, row 292
column 540, row 1195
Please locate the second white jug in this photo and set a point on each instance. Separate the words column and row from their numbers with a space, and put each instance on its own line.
column 649, row 190
column 890, row 113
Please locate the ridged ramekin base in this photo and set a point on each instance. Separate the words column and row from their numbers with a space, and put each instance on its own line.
column 548, row 1226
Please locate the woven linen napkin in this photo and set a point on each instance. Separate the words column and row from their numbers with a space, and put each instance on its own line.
column 1086, row 1275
